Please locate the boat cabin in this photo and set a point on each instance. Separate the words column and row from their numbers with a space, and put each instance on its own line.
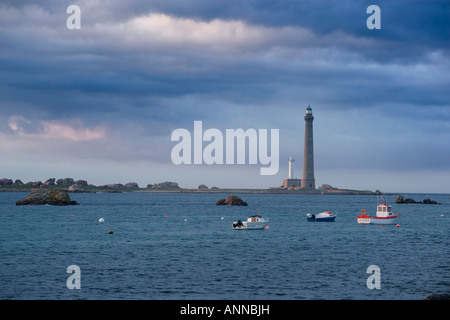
column 255, row 218
column 384, row 210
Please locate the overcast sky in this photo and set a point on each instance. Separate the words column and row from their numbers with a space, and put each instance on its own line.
column 100, row 103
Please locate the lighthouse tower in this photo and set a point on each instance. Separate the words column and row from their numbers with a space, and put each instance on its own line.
column 291, row 167
column 308, row 181
column 291, row 183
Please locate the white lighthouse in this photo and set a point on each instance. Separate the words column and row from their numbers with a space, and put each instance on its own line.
column 291, row 168
column 291, row 182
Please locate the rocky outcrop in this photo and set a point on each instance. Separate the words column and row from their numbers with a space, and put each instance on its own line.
column 50, row 182
column 202, row 186
column 131, row 185
column 47, row 196
column 6, row 182
column 82, row 183
column 400, row 199
column 166, row 185
column 429, row 201
column 112, row 185
column 65, row 182
column 34, row 184
column 232, row 201
column 76, row 188
column 443, row 296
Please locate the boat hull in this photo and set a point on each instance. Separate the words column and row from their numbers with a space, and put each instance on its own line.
column 363, row 219
column 250, row 228
column 327, row 219
column 383, row 220
column 252, row 223
column 326, row 216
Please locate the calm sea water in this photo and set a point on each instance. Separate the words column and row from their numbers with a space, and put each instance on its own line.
column 155, row 253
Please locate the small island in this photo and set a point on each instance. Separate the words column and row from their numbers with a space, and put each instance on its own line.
column 53, row 197
column 232, row 201
column 71, row 185
column 400, row 199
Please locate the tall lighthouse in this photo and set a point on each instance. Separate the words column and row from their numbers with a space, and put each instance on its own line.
column 308, row 181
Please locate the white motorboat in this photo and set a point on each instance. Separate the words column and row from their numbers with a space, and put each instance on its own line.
column 255, row 222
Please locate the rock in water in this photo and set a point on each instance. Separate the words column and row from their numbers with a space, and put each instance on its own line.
column 444, row 296
column 409, row 200
column 220, row 202
column 231, row 200
column 47, row 196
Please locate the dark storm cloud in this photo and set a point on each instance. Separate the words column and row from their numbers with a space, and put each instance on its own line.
column 142, row 68
column 98, row 65
column 406, row 25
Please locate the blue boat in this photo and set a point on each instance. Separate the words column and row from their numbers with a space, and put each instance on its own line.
column 326, row 216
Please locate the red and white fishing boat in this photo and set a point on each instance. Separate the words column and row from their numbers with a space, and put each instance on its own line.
column 384, row 215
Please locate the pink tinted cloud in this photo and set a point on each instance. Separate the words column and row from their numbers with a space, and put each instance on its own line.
column 73, row 130
column 58, row 129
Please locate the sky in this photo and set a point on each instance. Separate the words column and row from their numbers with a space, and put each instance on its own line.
column 100, row 103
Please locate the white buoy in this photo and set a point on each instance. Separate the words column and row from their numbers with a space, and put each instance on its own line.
column 101, row 220
column 222, row 218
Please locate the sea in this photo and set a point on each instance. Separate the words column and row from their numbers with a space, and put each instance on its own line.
column 181, row 246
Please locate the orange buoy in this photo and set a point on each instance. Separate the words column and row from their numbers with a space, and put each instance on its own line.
column 397, row 225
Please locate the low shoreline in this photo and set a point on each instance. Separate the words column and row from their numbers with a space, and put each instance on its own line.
column 182, row 190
